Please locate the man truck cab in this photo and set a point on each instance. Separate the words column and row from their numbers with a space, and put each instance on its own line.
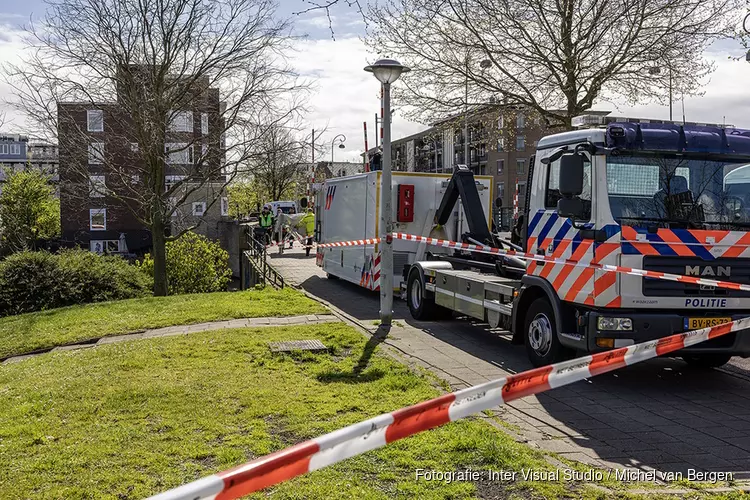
column 643, row 194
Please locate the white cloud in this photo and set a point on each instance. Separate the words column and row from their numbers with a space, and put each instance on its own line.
column 11, row 48
column 346, row 95
column 319, row 21
column 725, row 98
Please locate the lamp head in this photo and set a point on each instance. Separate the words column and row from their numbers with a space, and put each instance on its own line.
column 341, row 146
column 387, row 70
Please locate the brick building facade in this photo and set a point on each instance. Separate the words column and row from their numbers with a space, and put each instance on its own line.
column 102, row 172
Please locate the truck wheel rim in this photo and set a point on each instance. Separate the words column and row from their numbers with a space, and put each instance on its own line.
column 540, row 334
column 416, row 294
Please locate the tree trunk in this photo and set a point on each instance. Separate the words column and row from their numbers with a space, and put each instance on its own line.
column 159, row 254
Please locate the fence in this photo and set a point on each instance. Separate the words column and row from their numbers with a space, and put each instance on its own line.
column 255, row 268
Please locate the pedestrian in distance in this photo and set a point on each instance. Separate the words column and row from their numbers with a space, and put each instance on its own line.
column 279, row 230
column 309, row 223
column 266, row 224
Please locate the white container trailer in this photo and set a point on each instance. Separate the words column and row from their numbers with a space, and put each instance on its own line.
column 348, row 208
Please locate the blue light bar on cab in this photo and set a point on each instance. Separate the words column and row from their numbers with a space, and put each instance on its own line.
column 670, row 136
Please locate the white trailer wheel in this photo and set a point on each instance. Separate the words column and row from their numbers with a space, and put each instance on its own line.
column 421, row 307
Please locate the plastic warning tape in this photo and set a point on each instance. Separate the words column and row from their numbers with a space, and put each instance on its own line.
column 593, row 265
column 377, row 432
column 353, row 243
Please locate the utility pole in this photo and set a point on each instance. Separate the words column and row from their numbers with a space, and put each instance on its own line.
column 377, row 134
column 466, row 115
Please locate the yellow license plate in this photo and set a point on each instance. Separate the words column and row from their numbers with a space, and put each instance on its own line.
column 698, row 323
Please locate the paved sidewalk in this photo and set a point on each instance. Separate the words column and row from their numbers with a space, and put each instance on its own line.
column 186, row 329
column 654, row 415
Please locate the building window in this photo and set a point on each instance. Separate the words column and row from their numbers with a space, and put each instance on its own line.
column 500, row 122
column 224, row 206
column 521, row 192
column 98, row 219
column 95, row 120
column 199, row 208
column 500, row 166
column 171, row 180
column 500, row 144
column 135, row 179
column 483, row 170
column 182, row 121
column 105, row 246
column 96, row 153
column 178, row 153
column 520, row 143
column 520, row 166
column 204, row 153
column 204, row 123
column 97, row 186
column 15, row 149
column 520, row 120
column 4, row 149
column 134, row 147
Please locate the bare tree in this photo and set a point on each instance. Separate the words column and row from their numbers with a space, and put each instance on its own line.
column 554, row 57
column 281, row 162
column 189, row 88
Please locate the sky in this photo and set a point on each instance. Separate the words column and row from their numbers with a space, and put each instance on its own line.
column 345, row 95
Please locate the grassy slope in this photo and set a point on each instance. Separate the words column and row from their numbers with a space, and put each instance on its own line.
column 28, row 332
column 131, row 419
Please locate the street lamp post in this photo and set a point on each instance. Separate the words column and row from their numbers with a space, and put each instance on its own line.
column 386, row 71
column 657, row 70
column 342, row 137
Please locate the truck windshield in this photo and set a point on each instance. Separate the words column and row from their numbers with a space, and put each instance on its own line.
column 679, row 192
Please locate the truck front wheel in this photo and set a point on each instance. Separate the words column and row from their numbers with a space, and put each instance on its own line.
column 543, row 347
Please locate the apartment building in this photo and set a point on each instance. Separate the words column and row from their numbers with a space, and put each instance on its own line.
column 18, row 153
column 102, row 172
column 501, row 141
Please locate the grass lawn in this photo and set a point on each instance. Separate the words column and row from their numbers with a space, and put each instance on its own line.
column 28, row 332
column 132, row 419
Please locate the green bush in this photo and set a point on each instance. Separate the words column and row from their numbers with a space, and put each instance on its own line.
column 34, row 281
column 195, row 264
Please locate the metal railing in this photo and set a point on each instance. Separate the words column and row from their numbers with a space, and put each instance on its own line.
column 255, row 267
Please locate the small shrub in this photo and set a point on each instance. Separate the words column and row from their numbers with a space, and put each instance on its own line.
column 195, row 264
column 35, row 281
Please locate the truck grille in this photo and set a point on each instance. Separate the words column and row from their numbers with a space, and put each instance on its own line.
column 739, row 272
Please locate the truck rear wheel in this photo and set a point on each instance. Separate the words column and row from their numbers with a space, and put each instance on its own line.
column 543, row 346
column 706, row 361
column 421, row 305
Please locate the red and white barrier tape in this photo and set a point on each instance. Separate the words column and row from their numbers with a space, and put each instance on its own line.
column 541, row 258
column 379, row 431
column 605, row 267
column 353, row 243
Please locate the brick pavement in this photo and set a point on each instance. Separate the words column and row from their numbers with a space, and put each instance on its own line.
column 654, row 415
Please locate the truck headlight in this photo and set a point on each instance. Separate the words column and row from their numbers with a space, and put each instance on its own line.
column 614, row 324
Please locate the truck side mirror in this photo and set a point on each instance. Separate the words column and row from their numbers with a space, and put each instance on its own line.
column 571, row 175
column 303, row 202
column 499, row 202
column 571, row 186
column 570, row 208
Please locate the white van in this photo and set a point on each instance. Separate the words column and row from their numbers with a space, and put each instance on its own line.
column 287, row 207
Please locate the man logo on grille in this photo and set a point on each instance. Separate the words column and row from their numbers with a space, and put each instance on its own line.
column 708, row 271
